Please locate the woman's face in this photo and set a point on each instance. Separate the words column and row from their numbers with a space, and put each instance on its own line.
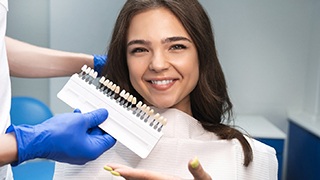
column 162, row 59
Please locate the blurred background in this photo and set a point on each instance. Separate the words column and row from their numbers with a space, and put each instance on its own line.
column 269, row 50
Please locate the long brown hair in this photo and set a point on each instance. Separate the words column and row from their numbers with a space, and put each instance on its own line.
column 210, row 102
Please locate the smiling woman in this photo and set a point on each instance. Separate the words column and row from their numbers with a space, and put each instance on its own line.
column 163, row 69
column 163, row 52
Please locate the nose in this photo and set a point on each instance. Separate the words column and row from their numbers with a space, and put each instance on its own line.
column 159, row 62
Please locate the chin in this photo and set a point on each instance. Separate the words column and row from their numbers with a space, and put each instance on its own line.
column 163, row 105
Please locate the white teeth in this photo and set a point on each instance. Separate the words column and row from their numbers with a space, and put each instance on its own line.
column 163, row 82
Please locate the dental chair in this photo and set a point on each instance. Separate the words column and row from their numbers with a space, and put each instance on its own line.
column 28, row 110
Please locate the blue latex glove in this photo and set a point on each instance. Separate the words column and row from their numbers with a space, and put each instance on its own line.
column 63, row 138
column 93, row 131
column 99, row 61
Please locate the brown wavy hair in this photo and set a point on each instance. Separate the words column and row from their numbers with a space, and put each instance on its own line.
column 210, row 102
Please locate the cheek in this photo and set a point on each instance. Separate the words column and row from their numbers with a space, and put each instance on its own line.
column 192, row 71
column 135, row 73
column 194, row 76
column 190, row 66
column 132, row 71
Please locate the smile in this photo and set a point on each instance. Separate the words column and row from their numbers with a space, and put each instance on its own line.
column 162, row 82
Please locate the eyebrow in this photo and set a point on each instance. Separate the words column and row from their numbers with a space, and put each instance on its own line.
column 176, row 38
column 166, row 40
column 139, row 41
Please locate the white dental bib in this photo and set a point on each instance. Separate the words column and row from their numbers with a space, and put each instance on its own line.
column 183, row 139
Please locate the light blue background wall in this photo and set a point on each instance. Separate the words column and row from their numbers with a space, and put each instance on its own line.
column 29, row 21
column 80, row 27
column 269, row 50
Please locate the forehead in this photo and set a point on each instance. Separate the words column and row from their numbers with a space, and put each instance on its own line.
column 156, row 22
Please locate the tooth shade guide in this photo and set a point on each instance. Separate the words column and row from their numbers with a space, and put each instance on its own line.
column 130, row 98
column 156, row 125
column 113, row 87
column 106, row 82
column 95, row 75
column 147, row 109
column 123, row 92
column 143, row 107
column 88, row 92
column 151, row 124
column 164, row 122
column 84, row 68
column 117, row 90
column 91, row 73
column 102, row 79
column 150, row 112
column 109, row 84
column 156, row 116
column 134, row 100
column 88, row 70
column 160, row 119
column 126, row 96
column 125, row 101
column 139, row 104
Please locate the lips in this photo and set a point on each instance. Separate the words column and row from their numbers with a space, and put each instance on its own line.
column 163, row 84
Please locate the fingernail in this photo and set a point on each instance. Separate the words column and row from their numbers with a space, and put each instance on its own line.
column 195, row 163
column 115, row 173
column 108, row 168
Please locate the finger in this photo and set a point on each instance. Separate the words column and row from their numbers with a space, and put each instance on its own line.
column 98, row 145
column 113, row 166
column 103, row 142
column 136, row 174
column 77, row 110
column 96, row 117
column 119, row 170
column 96, row 131
column 197, row 171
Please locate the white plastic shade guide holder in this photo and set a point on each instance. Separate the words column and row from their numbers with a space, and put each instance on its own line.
column 135, row 125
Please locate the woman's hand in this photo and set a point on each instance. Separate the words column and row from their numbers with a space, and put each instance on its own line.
column 197, row 171
column 129, row 173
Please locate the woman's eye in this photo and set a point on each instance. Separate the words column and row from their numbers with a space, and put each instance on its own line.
column 138, row 50
column 177, row 47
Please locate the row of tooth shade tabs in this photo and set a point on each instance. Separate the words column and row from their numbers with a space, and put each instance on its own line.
column 123, row 98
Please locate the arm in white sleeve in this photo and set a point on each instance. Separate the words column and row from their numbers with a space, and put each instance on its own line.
column 30, row 61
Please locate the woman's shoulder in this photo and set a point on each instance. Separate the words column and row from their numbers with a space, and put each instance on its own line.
column 264, row 164
column 258, row 146
column 260, row 151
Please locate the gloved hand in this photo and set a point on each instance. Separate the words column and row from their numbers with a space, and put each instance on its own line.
column 63, row 138
column 99, row 62
column 93, row 131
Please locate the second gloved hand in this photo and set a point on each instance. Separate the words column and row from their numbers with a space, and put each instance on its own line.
column 63, row 138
